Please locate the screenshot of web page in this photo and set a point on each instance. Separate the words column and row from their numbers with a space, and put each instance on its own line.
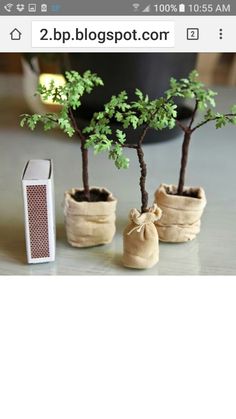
column 117, row 209
column 139, row 52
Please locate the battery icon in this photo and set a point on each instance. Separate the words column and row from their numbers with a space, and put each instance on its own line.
column 182, row 8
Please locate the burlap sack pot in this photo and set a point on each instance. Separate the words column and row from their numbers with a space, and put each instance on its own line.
column 140, row 239
column 89, row 223
column 181, row 215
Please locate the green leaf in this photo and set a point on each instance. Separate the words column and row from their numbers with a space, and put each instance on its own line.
column 221, row 121
column 102, row 146
column 193, row 76
column 121, row 136
column 209, row 115
column 233, row 109
column 139, row 94
column 119, row 116
column 122, row 162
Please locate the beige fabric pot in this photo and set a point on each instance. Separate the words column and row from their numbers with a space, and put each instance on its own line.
column 89, row 223
column 140, row 239
column 181, row 215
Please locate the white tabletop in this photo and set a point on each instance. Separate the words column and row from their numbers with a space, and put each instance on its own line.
column 212, row 165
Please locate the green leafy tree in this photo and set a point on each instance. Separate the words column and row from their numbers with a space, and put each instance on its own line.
column 69, row 98
column 142, row 115
column 204, row 101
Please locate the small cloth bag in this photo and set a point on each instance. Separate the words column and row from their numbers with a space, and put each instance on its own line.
column 89, row 223
column 181, row 219
column 140, row 239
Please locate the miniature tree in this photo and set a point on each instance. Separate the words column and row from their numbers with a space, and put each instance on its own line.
column 69, row 98
column 142, row 114
column 192, row 88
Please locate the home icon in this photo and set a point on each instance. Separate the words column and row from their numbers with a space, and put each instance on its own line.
column 15, row 35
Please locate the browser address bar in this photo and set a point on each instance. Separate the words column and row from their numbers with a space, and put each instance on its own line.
column 100, row 34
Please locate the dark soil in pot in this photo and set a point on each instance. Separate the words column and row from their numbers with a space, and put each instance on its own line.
column 96, row 195
column 187, row 193
column 89, row 223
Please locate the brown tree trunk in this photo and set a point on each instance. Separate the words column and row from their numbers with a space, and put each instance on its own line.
column 184, row 161
column 84, row 154
column 142, row 182
column 85, row 176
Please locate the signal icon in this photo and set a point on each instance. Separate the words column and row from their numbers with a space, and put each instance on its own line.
column 147, row 9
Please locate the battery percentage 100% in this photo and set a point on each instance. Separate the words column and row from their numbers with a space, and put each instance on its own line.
column 166, row 8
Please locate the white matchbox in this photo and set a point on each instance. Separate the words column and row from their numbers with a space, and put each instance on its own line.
column 39, row 211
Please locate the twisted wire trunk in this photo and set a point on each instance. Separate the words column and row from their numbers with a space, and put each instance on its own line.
column 84, row 155
column 184, row 161
column 85, row 175
column 142, row 181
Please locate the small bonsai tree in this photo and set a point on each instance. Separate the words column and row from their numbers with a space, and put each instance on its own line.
column 69, row 98
column 192, row 88
column 142, row 114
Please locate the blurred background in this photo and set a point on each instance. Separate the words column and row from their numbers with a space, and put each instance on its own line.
column 20, row 74
column 214, row 68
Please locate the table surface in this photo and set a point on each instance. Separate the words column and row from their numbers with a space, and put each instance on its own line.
column 212, row 165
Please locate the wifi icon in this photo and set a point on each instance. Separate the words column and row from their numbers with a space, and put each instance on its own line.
column 136, row 6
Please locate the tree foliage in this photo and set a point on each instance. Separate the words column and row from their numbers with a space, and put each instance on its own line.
column 143, row 112
column 67, row 96
column 204, row 101
column 192, row 88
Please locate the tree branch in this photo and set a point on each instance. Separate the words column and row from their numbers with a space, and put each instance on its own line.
column 183, row 127
column 126, row 145
column 193, row 114
column 143, row 135
column 51, row 119
column 74, row 122
column 227, row 115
